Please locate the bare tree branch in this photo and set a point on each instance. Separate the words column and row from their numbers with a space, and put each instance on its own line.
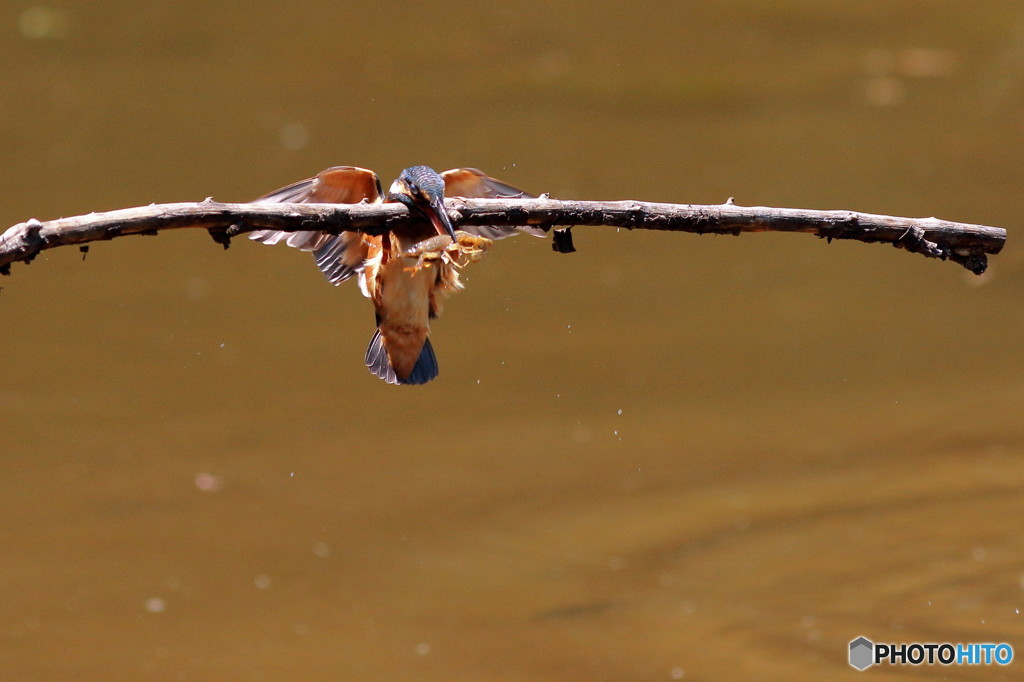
column 962, row 243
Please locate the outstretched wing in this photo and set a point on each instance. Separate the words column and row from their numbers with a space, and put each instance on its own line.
column 473, row 184
column 338, row 256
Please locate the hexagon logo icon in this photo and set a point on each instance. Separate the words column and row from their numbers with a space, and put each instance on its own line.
column 862, row 653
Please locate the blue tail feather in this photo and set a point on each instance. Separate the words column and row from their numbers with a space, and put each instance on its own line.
column 380, row 365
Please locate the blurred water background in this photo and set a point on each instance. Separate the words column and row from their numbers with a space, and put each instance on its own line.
column 662, row 457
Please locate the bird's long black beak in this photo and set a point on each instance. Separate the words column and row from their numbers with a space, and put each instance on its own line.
column 439, row 217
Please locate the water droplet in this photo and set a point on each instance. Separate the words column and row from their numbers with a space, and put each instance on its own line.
column 294, row 136
column 208, row 483
column 38, row 23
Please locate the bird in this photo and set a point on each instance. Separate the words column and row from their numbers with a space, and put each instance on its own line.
column 408, row 272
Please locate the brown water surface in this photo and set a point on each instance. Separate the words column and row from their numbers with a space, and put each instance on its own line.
column 663, row 457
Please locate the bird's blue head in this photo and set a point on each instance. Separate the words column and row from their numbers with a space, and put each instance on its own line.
column 421, row 189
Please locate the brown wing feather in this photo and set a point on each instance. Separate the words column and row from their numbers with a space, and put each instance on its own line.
column 338, row 256
column 473, row 184
column 336, row 185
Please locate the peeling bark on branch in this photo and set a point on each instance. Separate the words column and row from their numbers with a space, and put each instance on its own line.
column 962, row 243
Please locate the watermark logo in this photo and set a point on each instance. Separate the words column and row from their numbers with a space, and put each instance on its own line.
column 864, row 653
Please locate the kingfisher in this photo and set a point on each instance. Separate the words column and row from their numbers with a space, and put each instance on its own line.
column 406, row 273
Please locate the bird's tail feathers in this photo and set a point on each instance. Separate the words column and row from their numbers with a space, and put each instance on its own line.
column 379, row 364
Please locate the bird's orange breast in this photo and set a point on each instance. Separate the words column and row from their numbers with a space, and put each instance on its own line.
column 401, row 295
